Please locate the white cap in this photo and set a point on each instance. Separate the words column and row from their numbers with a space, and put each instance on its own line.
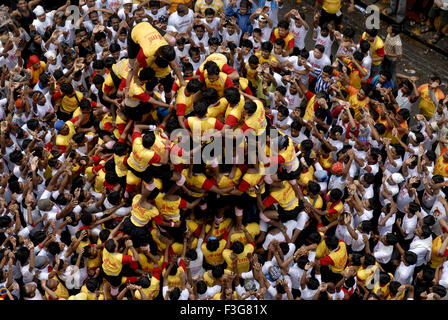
column 434, row 126
column 397, row 178
column 412, row 136
column 39, row 11
column 50, row 54
column 127, row 1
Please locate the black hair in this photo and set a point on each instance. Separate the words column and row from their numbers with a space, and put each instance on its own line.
column 167, row 52
column 22, row 254
column 237, row 247
column 250, row 106
column 331, row 242
column 391, row 239
column 313, row 187
column 384, row 278
column 200, row 108
column 175, row 294
column 217, row 271
column 194, row 85
column 209, row 12
column 148, row 139
column 212, row 245
column 410, row 257
column 191, row 254
column 266, row 46
column 201, row 286
column 110, row 245
column 210, row 95
column 336, row 194
column 146, row 74
column 54, row 248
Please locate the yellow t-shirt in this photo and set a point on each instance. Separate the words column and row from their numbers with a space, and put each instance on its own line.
column 243, row 263
column 215, row 257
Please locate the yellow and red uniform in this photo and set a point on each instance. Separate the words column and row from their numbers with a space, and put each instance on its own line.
column 149, row 39
column 289, row 39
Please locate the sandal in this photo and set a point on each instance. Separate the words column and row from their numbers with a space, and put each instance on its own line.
column 425, row 29
column 436, row 37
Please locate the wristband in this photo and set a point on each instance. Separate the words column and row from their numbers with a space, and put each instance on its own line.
column 172, row 224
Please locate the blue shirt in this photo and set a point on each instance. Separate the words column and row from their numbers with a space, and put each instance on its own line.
column 241, row 19
column 386, row 85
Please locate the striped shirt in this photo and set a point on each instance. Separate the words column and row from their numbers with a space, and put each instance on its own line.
column 322, row 85
column 216, row 5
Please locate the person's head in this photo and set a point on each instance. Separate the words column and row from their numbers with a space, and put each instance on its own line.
column 393, row 30
column 174, row 294
column 146, row 74
column 371, row 34
column 213, row 44
column 154, row 6
column 187, row 69
column 217, row 271
column 266, row 49
column 348, row 33
column 283, row 113
column 210, row 95
column 201, row 286
column 199, row 29
column 193, row 86
column 237, row 247
column 325, row 30
column 249, row 107
column 390, row 239
column 232, row 95
column 111, row 245
column 335, row 195
column 435, row 80
column 319, row 51
column 283, row 28
column 384, row 278
column 212, row 244
column 182, row 10
column 423, row 232
column 209, row 14
column 166, row 53
column 331, row 242
column 385, row 76
column 279, row 44
column 409, row 258
column 200, row 108
column 195, row 54
column 253, row 62
column 256, row 34
column 295, row 128
column 364, row 91
column 244, row 7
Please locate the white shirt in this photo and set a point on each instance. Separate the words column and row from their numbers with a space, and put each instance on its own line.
column 213, row 26
column 181, row 23
column 299, row 35
column 383, row 253
column 404, row 274
column 387, row 228
column 265, row 32
column 422, row 248
column 42, row 25
column 235, row 37
column 325, row 41
column 318, row 64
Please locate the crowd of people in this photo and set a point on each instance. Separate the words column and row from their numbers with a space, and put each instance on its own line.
column 102, row 114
